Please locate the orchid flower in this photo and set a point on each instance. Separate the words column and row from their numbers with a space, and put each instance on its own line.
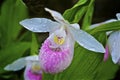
column 57, row 51
column 32, row 70
column 113, row 45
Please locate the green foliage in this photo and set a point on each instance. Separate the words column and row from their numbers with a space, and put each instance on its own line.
column 112, row 26
column 88, row 15
column 34, row 45
column 12, row 12
column 86, row 65
column 11, row 47
column 11, row 53
column 76, row 11
column 83, row 8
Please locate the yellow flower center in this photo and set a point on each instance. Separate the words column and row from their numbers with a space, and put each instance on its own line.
column 35, row 68
column 59, row 40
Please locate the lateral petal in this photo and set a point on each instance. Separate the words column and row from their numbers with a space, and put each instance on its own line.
column 114, row 46
column 16, row 65
column 86, row 40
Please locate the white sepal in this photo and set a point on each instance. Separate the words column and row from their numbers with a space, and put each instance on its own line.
column 86, row 40
column 114, row 46
column 32, row 58
column 16, row 65
column 76, row 26
column 40, row 24
column 56, row 15
column 118, row 16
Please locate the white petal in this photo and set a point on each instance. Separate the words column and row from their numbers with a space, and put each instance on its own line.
column 40, row 24
column 111, row 20
column 118, row 16
column 56, row 15
column 16, row 65
column 76, row 26
column 32, row 58
column 114, row 46
column 86, row 40
column 98, row 24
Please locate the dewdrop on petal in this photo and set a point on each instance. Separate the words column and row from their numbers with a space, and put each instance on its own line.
column 57, row 50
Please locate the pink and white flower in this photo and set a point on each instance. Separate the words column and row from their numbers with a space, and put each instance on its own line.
column 32, row 67
column 57, row 51
column 113, row 43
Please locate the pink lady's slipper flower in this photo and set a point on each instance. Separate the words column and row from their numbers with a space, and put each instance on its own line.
column 57, row 51
column 32, row 70
column 113, row 44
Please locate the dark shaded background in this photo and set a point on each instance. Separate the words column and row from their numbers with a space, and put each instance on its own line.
column 103, row 10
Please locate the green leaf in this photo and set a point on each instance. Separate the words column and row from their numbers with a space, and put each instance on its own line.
column 12, row 11
column 34, row 45
column 47, row 76
column 11, row 53
column 106, row 27
column 25, row 36
column 88, row 16
column 76, row 12
column 80, row 2
column 105, row 71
